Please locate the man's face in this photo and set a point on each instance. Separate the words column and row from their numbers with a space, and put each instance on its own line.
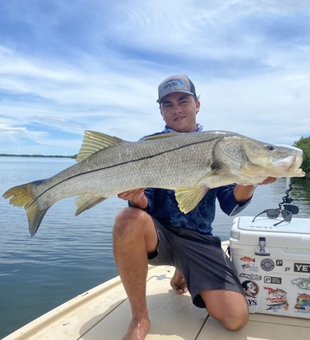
column 179, row 111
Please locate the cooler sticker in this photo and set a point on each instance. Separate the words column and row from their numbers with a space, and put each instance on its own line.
column 279, row 263
column 267, row 265
column 301, row 267
column 255, row 277
column 303, row 303
column 251, row 268
column 276, row 299
column 302, row 283
column 250, row 288
column 246, row 259
column 273, row 280
column 251, row 302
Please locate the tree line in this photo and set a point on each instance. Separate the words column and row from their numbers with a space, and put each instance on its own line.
column 304, row 144
column 36, row 155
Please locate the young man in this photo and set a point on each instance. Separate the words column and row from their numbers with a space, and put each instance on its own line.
column 153, row 230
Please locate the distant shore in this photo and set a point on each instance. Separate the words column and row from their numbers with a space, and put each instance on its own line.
column 50, row 156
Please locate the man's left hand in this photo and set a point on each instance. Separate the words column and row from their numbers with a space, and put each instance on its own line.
column 268, row 180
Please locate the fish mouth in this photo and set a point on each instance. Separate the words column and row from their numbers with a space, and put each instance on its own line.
column 294, row 168
column 290, row 166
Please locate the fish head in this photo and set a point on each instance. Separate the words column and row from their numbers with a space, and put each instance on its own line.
column 263, row 159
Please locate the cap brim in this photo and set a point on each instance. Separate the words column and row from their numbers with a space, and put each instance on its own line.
column 159, row 100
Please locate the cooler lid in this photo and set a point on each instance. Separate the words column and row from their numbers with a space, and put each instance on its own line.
column 265, row 224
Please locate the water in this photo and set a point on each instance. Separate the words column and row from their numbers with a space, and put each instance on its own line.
column 70, row 255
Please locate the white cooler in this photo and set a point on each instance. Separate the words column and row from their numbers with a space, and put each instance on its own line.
column 273, row 264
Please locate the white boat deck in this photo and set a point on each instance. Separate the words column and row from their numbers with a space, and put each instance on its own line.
column 104, row 313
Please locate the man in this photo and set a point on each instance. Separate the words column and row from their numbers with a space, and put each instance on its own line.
column 143, row 232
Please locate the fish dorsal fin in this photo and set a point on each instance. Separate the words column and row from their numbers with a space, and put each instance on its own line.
column 188, row 198
column 95, row 141
column 162, row 135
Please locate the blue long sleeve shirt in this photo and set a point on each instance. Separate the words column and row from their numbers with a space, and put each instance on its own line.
column 164, row 207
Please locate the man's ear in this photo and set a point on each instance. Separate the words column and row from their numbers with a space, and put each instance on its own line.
column 197, row 106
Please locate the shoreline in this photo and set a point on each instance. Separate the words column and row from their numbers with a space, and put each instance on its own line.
column 49, row 156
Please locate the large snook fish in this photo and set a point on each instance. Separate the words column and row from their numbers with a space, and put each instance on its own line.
column 189, row 163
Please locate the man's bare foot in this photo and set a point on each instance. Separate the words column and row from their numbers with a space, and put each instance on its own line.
column 178, row 282
column 137, row 329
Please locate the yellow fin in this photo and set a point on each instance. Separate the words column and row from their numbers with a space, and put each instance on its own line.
column 214, row 178
column 94, row 142
column 252, row 170
column 22, row 196
column 162, row 135
column 86, row 202
column 188, row 198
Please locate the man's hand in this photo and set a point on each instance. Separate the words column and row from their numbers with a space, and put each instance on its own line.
column 136, row 198
column 268, row 180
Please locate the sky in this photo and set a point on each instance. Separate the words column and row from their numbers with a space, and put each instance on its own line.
column 69, row 66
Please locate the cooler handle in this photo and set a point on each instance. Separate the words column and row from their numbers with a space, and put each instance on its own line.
column 262, row 244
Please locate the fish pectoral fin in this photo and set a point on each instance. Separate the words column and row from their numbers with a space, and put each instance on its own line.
column 214, row 178
column 188, row 198
column 252, row 170
column 86, row 202
column 162, row 135
column 95, row 141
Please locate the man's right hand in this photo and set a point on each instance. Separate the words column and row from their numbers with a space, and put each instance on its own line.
column 136, row 198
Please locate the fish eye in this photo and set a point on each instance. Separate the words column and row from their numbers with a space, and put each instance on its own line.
column 270, row 147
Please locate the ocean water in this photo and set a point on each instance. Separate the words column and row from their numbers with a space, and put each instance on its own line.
column 69, row 254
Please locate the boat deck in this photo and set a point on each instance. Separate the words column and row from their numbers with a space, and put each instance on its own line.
column 104, row 313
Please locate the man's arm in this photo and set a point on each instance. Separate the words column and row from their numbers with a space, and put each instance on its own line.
column 244, row 193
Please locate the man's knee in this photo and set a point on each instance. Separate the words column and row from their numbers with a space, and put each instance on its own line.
column 129, row 221
column 134, row 226
column 234, row 321
column 127, row 216
column 227, row 306
column 125, row 219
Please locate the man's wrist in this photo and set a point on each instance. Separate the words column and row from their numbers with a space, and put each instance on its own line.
column 244, row 193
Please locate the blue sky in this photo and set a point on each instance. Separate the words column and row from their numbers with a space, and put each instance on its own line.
column 67, row 66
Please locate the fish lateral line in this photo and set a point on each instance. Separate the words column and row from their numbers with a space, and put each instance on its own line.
column 116, row 165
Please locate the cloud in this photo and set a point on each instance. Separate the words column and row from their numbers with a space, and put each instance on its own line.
column 97, row 65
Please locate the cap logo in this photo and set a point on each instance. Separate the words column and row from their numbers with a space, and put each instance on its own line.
column 173, row 82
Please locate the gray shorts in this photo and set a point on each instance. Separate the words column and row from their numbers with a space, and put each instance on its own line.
column 199, row 257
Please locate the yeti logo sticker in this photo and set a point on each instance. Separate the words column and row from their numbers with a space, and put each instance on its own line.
column 302, row 267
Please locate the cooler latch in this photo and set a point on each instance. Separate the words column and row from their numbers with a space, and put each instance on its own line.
column 262, row 245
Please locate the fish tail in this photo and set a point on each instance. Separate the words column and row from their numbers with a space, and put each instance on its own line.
column 22, row 196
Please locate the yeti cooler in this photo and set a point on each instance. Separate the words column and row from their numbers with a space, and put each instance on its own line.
column 273, row 264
